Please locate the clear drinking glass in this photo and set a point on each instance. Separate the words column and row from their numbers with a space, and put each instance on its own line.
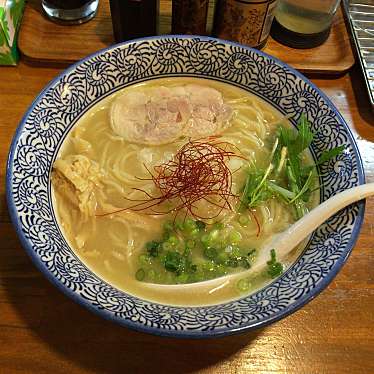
column 310, row 20
column 70, row 11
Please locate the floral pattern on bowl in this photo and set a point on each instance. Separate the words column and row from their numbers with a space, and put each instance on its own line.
column 54, row 112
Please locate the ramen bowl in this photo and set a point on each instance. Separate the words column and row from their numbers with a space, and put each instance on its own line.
column 68, row 97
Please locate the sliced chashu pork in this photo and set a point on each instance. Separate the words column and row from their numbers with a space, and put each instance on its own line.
column 209, row 115
column 160, row 115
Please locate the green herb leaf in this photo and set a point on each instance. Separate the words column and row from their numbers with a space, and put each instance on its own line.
column 304, row 189
column 286, row 137
column 331, row 153
column 304, row 136
column 281, row 191
column 255, row 189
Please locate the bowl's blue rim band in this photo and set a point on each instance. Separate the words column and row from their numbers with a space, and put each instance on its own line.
column 181, row 333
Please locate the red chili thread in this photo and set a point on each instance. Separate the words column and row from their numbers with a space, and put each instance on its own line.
column 197, row 172
column 257, row 223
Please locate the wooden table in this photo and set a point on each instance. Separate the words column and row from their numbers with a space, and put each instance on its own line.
column 42, row 331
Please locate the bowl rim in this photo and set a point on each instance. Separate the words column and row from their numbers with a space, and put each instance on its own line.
column 159, row 330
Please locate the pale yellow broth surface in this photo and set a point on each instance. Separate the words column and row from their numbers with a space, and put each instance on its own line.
column 110, row 245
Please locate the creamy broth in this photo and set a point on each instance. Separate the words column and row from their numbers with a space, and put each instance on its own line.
column 109, row 238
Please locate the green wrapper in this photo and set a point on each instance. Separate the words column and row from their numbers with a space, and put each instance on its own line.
column 10, row 19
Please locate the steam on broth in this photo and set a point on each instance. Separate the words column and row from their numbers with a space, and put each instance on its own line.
column 179, row 180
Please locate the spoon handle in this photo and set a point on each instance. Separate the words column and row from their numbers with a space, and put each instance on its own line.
column 297, row 232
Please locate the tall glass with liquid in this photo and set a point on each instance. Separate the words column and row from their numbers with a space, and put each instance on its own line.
column 70, row 11
column 304, row 24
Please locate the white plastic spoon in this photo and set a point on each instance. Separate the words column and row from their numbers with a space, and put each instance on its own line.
column 283, row 242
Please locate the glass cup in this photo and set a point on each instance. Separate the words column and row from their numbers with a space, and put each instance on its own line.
column 303, row 24
column 70, row 11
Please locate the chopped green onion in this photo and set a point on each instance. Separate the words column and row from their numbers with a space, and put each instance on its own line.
column 222, row 257
column 235, row 251
column 173, row 240
column 169, row 278
column 189, row 224
column 187, row 251
column 153, row 248
column 243, row 220
column 210, row 253
column 219, row 226
column 151, row 275
column 235, row 237
column 167, row 246
column 198, row 276
column 168, row 226
column 144, row 260
column 166, row 235
column 140, row 275
column 252, row 252
column 213, row 235
column 275, row 268
column 205, row 239
column 182, row 278
column 200, row 225
column 220, row 270
column 193, row 268
column 232, row 262
column 243, row 285
column 244, row 262
column 194, row 233
column 228, row 249
column 172, row 261
column 208, row 266
column 190, row 243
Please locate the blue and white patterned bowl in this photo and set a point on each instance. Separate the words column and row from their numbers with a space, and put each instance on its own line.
column 70, row 95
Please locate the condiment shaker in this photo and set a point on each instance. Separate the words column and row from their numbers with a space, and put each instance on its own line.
column 245, row 21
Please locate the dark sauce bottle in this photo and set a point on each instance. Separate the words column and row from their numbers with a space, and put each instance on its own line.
column 134, row 18
column 189, row 16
